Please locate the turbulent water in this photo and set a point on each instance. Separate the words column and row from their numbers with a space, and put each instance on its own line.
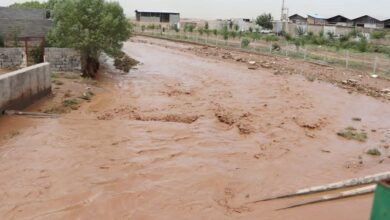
column 188, row 137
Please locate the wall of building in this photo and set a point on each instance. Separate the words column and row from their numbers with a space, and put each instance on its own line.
column 21, row 88
column 148, row 19
column 174, row 18
column 316, row 29
column 12, row 58
column 63, row 59
column 22, row 14
column 24, row 28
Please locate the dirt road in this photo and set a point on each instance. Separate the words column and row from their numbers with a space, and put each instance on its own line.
column 186, row 137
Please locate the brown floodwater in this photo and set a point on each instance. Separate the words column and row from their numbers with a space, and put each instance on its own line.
column 188, row 137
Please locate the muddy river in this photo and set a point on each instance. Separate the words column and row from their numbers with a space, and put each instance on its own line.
column 188, row 137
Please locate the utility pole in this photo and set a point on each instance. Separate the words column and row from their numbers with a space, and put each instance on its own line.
column 284, row 16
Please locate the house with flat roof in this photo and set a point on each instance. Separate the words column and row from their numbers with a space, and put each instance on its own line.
column 367, row 21
column 158, row 17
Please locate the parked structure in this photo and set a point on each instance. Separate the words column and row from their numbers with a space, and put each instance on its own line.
column 367, row 22
column 154, row 17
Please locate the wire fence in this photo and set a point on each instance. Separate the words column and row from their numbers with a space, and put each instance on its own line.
column 369, row 63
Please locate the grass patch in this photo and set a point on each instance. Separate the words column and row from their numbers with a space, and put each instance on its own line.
column 374, row 152
column 72, row 76
column 87, row 95
column 70, row 102
column 351, row 133
column 55, row 75
column 57, row 82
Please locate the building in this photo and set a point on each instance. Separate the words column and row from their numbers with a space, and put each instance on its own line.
column 339, row 20
column 367, row 22
column 316, row 19
column 297, row 19
column 244, row 24
column 24, row 23
column 154, row 17
column 386, row 24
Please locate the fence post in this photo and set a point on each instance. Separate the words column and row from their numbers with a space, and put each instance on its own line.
column 347, row 59
column 305, row 53
column 375, row 64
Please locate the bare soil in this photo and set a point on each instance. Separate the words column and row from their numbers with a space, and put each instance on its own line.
column 189, row 135
column 3, row 71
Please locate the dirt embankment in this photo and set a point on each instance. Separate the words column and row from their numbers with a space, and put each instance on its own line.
column 349, row 79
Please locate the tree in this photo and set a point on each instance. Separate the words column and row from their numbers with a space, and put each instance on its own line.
column 265, row 21
column 29, row 5
column 236, row 27
column 91, row 27
column 206, row 26
column 49, row 6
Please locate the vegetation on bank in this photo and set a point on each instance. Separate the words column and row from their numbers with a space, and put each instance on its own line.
column 353, row 40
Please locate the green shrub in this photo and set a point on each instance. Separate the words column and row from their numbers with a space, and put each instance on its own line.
column 351, row 133
column 245, row 43
column 255, row 36
column 299, row 42
column 363, row 45
column 299, row 31
column 378, row 34
column 233, row 34
column 287, row 36
column 269, row 38
column 225, row 33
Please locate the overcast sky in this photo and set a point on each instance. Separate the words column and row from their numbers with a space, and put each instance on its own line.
column 211, row 9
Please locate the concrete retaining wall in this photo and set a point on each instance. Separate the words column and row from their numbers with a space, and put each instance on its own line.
column 63, row 59
column 12, row 58
column 21, row 88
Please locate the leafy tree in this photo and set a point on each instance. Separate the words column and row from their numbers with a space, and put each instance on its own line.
column 201, row 31
column 215, row 32
column 265, row 21
column 91, row 27
column 49, row 6
column 29, row 5
column 206, row 26
column 236, row 27
column 225, row 33
column 245, row 43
